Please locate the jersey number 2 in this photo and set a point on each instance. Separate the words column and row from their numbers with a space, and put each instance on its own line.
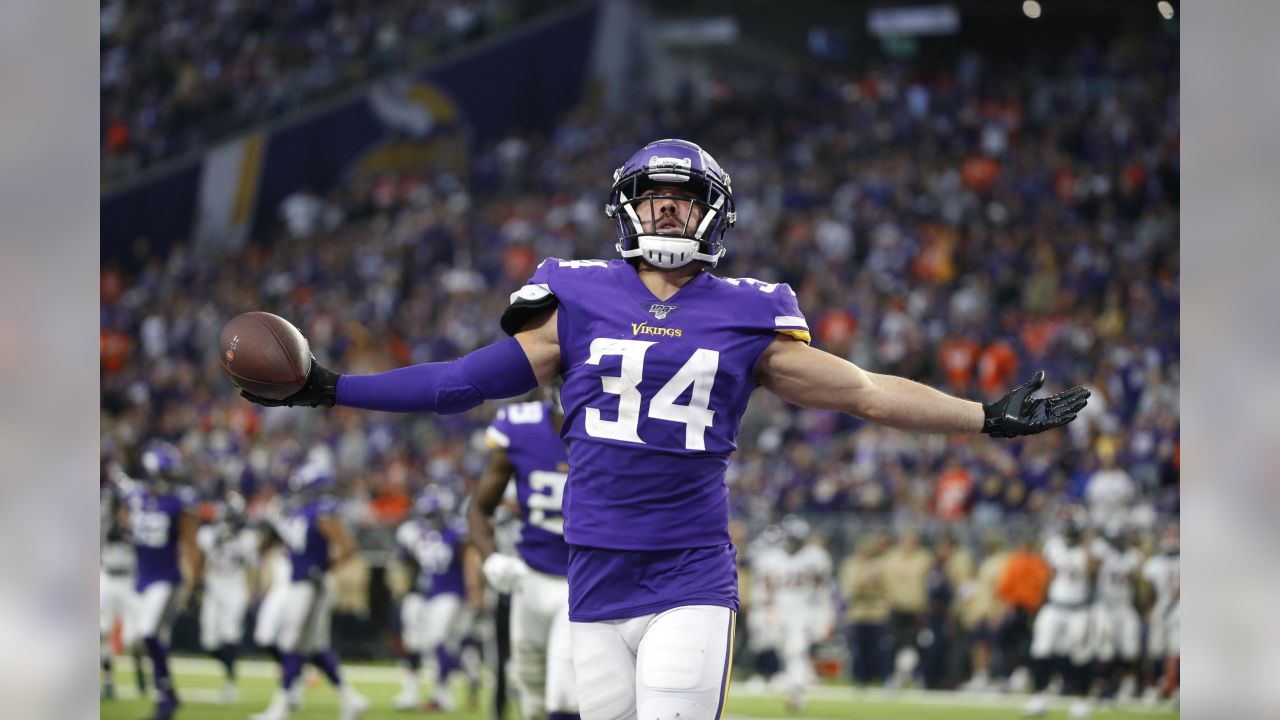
column 699, row 371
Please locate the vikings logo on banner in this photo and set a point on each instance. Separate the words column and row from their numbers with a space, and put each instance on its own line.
column 660, row 311
column 425, row 131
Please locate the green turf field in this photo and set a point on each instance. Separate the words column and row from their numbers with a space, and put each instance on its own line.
column 199, row 680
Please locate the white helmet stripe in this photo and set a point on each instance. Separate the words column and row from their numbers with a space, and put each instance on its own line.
column 711, row 214
column 631, row 212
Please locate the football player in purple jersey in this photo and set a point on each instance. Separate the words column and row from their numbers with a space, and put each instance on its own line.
column 659, row 356
column 436, row 614
column 318, row 540
column 526, row 445
column 163, row 528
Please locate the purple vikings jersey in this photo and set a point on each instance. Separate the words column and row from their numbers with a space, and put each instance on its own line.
column 653, row 395
column 438, row 555
column 526, row 433
column 153, row 524
column 308, row 547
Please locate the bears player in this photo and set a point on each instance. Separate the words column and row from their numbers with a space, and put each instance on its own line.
column 1060, row 633
column 526, row 445
column 1161, row 575
column 163, row 528
column 230, row 550
column 1114, row 617
column 435, row 614
column 658, row 357
column 318, row 540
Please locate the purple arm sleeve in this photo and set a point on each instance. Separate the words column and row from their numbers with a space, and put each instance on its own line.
column 494, row 372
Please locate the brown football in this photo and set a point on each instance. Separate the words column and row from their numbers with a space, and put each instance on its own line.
column 264, row 354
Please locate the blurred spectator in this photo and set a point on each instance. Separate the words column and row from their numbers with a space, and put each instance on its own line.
column 1110, row 491
column 906, row 569
column 981, row 610
column 863, row 582
column 1022, row 585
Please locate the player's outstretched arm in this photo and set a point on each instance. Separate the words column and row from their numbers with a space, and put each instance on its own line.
column 812, row 378
column 506, row 369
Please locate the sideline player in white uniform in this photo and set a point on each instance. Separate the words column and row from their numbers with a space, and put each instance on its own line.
column 1161, row 573
column 659, row 357
column 435, row 615
column 230, row 550
column 765, row 630
column 1116, row 632
column 115, row 593
column 801, row 579
column 1060, row 634
column 525, row 444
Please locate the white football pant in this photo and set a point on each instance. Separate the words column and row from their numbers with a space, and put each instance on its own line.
column 308, row 612
column 222, row 613
column 1115, row 632
column 155, row 608
column 672, row 665
column 1162, row 634
column 1060, row 630
column 428, row 623
column 541, row 647
column 116, row 603
column 270, row 620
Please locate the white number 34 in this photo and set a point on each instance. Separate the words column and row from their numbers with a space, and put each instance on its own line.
column 699, row 371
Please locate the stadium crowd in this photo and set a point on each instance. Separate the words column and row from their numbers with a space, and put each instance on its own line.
column 178, row 75
column 1037, row 233
column 964, row 228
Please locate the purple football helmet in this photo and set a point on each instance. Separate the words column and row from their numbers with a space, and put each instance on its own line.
column 162, row 461
column 685, row 165
column 434, row 501
column 312, row 478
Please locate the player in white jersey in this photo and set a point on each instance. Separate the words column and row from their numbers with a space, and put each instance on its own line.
column 1161, row 575
column 230, row 551
column 526, row 446
column 1060, row 634
column 115, row 594
column 765, row 635
column 1115, row 634
column 801, row 581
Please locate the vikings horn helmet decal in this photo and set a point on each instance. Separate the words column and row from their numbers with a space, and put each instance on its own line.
column 684, row 165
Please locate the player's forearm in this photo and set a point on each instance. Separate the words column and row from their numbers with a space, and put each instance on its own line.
column 495, row 372
column 909, row 405
column 480, row 530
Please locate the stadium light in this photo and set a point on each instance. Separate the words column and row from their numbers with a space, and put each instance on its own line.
column 1031, row 9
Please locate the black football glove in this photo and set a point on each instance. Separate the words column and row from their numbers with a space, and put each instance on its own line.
column 1019, row 414
column 321, row 388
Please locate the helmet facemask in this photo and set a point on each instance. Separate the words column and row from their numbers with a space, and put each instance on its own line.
column 698, row 240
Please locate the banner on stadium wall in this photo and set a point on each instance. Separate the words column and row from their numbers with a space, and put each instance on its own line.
column 525, row 81
column 228, row 188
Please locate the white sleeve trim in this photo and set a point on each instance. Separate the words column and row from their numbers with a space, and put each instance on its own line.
column 790, row 321
column 497, row 437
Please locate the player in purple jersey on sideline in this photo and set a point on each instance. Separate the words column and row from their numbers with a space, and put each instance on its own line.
column 437, row 612
column 318, row 540
column 526, row 445
column 163, row 529
column 658, row 357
